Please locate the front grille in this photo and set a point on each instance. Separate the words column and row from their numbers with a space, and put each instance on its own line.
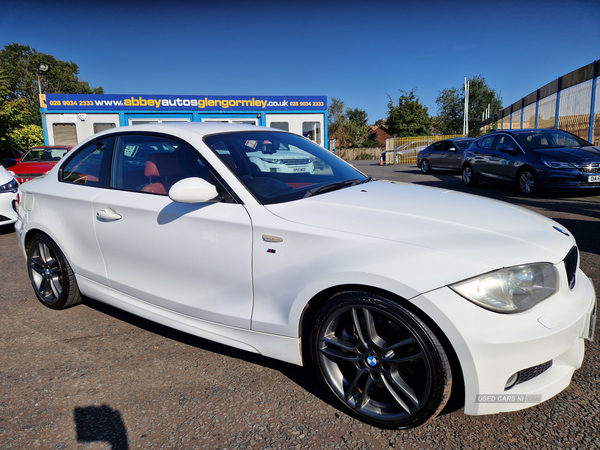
column 532, row 372
column 296, row 162
column 571, row 261
column 589, row 168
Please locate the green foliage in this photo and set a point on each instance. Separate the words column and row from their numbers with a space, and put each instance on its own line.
column 349, row 126
column 451, row 101
column 19, row 64
column 409, row 117
column 20, row 118
column 26, row 137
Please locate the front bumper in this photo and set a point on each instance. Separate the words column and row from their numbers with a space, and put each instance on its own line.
column 493, row 347
column 569, row 179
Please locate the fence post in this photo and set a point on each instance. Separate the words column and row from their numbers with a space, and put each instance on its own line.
column 592, row 112
column 394, row 151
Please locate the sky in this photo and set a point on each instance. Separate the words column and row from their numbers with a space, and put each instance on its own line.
column 361, row 52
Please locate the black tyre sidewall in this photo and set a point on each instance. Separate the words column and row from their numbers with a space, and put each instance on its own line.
column 436, row 356
column 425, row 166
column 70, row 295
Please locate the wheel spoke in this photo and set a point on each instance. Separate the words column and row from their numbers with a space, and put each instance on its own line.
column 396, row 397
column 364, row 396
column 398, row 360
column 358, row 328
column 352, row 389
column 55, row 286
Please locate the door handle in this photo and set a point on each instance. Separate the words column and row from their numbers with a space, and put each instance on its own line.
column 108, row 214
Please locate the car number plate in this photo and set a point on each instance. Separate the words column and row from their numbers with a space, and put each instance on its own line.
column 300, row 169
column 593, row 178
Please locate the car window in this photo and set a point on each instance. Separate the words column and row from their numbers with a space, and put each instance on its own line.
column 546, row 139
column 437, row 147
column 506, row 143
column 44, row 155
column 486, row 142
column 278, row 167
column 152, row 164
column 462, row 145
column 89, row 165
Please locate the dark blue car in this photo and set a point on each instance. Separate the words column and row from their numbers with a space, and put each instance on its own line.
column 533, row 159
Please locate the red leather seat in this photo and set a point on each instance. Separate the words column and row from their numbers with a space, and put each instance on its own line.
column 164, row 166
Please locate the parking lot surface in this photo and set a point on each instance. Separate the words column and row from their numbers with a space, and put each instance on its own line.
column 93, row 377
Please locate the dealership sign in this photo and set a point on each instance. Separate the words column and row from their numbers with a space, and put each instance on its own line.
column 111, row 102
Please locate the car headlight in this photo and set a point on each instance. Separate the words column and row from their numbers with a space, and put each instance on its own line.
column 272, row 160
column 11, row 186
column 557, row 164
column 512, row 289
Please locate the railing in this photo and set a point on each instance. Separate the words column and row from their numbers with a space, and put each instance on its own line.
column 571, row 103
column 404, row 150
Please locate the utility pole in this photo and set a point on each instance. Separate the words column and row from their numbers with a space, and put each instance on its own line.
column 466, row 114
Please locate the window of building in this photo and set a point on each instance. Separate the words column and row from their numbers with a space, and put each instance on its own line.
column 312, row 131
column 98, row 127
column 64, row 134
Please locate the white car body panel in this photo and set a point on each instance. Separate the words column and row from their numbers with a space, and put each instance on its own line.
column 243, row 273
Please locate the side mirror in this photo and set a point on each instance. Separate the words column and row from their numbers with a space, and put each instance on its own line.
column 452, row 149
column 9, row 162
column 194, row 190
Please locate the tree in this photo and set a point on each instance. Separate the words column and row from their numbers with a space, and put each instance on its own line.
column 451, row 101
column 20, row 118
column 409, row 118
column 19, row 64
column 349, row 126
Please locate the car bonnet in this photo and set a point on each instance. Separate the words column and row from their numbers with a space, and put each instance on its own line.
column 499, row 233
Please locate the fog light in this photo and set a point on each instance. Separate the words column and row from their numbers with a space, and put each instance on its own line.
column 511, row 381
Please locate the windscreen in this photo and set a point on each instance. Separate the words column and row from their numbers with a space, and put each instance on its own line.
column 279, row 167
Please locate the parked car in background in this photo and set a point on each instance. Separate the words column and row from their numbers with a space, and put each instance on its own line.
column 11, row 153
column 446, row 154
column 36, row 162
column 385, row 290
column 533, row 160
column 8, row 192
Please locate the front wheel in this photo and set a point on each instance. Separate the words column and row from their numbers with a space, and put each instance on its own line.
column 382, row 364
column 425, row 167
column 51, row 275
column 527, row 182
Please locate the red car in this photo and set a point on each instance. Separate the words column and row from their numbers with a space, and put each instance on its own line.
column 36, row 162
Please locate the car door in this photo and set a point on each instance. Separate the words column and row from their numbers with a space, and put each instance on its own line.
column 435, row 155
column 507, row 158
column 483, row 157
column 194, row 259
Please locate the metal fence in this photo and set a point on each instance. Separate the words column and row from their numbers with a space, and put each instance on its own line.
column 571, row 103
column 404, row 150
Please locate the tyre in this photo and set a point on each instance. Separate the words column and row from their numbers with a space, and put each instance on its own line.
column 380, row 362
column 51, row 275
column 467, row 175
column 528, row 184
column 425, row 167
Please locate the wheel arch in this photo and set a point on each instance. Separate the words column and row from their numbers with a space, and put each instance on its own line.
column 309, row 313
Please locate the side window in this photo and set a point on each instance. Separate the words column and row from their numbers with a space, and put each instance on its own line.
column 90, row 165
column 486, row 142
column 153, row 164
column 505, row 143
column 437, row 147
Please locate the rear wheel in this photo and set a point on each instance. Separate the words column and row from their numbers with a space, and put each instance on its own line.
column 382, row 364
column 51, row 275
column 467, row 175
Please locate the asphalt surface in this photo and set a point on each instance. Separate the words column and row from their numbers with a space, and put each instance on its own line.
column 93, row 377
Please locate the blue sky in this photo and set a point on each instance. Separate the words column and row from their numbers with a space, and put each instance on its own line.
column 357, row 51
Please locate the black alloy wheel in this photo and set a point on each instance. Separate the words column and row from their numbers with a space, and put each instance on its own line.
column 382, row 364
column 51, row 275
column 425, row 167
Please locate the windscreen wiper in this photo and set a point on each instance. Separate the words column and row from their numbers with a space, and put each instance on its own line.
column 335, row 186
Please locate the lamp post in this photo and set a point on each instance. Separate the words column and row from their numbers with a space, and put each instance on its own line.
column 41, row 68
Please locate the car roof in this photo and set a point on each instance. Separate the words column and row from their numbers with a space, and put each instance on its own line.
column 201, row 128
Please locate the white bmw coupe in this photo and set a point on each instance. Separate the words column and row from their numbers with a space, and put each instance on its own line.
column 396, row 295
